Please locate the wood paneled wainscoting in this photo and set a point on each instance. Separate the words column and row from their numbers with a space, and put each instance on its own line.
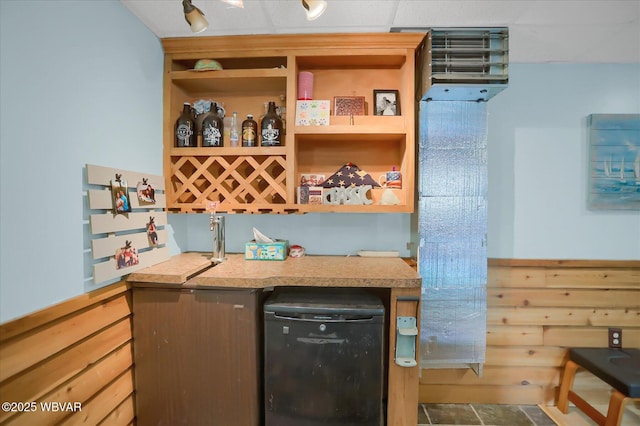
column 80, row 351
column 536, row 309
column 71, row 363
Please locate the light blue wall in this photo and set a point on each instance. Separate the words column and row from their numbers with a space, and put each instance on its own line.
column 538, row 159
column 319, row 233
column 83, row 84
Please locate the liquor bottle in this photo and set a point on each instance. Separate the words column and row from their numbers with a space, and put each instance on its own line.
column 234, row 134
column 186, row 135
column 212, row 128
column 271, row 127
column 249, row 132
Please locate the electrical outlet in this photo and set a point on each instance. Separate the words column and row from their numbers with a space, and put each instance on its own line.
column 615, row 338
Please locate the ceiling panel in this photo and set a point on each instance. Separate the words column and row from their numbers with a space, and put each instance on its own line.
column 539, row 30
column 346, row 15
column 459, row 13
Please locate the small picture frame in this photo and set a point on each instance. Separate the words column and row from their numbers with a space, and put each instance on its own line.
column 146, row 193
column 127, row 256
column 120, row 196
column 308, row 179
column 348, row 105
column 152, row 232
column 386, row 102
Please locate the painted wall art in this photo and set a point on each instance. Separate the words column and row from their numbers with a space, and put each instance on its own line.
column 614, row 156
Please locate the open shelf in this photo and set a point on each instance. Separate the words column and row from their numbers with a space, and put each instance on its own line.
column 231, row 81
column 227, row 151
column 390, row 59
column 258, row 69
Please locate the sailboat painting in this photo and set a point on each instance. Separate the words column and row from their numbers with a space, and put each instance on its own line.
column 614, row 155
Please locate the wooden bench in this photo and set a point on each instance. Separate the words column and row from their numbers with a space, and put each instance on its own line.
column 620, row 368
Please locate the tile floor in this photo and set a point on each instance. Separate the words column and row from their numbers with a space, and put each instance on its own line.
column 513, row 415
column 482, row 414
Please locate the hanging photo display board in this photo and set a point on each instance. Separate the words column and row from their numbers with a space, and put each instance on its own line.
column 127, row 223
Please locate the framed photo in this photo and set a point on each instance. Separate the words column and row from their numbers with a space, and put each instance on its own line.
column 387, row 102
column 307, row 179
column 146, row 193
column 348, row 105
column 120, row 196
column 126, row 256
column 152, row 232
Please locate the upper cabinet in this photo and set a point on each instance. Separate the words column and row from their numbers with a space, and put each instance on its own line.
column 258, row 69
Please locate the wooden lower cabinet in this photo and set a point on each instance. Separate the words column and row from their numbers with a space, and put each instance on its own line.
column 197, row 356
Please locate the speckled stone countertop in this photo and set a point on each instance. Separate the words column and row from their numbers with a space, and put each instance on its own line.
column 176, row 270
column 317, row 271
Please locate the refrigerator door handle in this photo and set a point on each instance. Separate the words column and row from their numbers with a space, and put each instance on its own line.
column 319, row 341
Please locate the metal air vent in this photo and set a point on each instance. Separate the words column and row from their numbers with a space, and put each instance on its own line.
column 470, row 64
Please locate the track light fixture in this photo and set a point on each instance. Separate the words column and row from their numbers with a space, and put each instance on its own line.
column 314, row 8
column 194, row 16
column 234, row 3
column 198, row 23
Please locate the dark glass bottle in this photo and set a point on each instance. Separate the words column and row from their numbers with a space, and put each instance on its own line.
column 212, row 128
column 186, row 135
column 249, row 132
column 271, row 127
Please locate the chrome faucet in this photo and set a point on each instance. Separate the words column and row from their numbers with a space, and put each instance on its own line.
column 216, row 225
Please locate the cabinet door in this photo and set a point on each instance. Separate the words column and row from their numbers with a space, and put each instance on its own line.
column 197, row 356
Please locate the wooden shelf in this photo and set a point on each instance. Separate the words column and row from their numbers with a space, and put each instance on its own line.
column 238, row 208
column 231, row 81
column 257, row 69
column 390, row 58
column 347, row 133
column 329, row 208
column 227, row 151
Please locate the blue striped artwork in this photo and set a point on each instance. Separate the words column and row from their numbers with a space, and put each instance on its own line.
column 614, row 155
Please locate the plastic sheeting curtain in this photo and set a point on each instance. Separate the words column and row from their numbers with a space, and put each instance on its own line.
column 452, row 223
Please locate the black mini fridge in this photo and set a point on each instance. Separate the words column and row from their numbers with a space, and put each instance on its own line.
column 323, row 358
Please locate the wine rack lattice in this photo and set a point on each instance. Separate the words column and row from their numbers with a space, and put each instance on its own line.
column 235, row 181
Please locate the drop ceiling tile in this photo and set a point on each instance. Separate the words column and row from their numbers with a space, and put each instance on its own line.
column 345, row 15
column 457, row 13
column 539, row 30
column 565, row 13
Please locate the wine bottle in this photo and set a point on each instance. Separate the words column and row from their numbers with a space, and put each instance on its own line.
column 186, row 135
column 271, row 127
